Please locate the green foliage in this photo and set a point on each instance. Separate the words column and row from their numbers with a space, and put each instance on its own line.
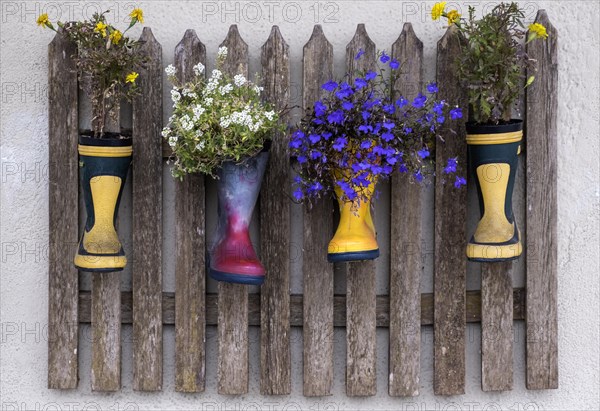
column 216, row 120
column 493, row 62
column 106, row 61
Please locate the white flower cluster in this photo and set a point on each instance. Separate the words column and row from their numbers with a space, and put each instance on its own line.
column 198, row 110
column 186, row 122
column 170, row 70
column 242, row 118
column 223, row 90
column 269, row 115
column 188, row 93
column 198, row 69
column 175, row 96
column 239, row 80
column 222, row 52
column 258, row 89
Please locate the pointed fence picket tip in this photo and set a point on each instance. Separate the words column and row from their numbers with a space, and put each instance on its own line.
column 317, row 35
column 190, row 34
column 542, row 18
column 233, row 35
column 275, row 36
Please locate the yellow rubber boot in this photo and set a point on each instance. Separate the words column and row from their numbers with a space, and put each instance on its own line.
column 355, row 238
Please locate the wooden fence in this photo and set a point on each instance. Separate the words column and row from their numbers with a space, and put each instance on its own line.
column 318, row 310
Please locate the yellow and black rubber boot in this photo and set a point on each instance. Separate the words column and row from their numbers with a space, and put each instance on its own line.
column 493, row 159
column 103, row 167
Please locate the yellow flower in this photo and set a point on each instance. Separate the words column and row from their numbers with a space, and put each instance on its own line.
column 101, row 28
column 43, row 20
column 116, row 36
column 537, row 30
column 438, row 10
column 131, row 77
column 137, row 14
column 453, row 16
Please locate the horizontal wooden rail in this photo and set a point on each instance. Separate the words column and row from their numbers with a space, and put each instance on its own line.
column 473, row 308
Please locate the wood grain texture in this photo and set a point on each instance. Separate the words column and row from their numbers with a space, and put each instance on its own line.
column 542, row 239
column 361, row 337
column 106, row 331
column 450, row 236
column 406, row 261
column 496, row 326
column 190, row 276
column 147, row 221
column 233, row 298
column 317, row 68
column 275, row 359
column 63, row 215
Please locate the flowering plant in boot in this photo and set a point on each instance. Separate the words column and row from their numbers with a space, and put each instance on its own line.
column 493, row 61
column 357, row 134
column 106, row 61
column 216, row 120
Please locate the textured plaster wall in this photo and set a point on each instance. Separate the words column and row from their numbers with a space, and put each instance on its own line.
column 24, row 210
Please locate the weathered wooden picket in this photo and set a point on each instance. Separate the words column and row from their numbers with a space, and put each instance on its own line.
column 318, row 310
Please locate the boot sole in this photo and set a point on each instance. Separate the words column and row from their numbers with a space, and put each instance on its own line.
column 236, row 278
column 353, row 256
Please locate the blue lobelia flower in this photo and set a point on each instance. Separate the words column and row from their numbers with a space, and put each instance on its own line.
column 314, row 138
column 432, row 88
column 370, row 75
column 345, row 91
column 451, row 166
column 365, row 115
column 438, row 107
column 301, row 159
column 387, row 169
column 296, row 143
column 423, row 153
column 401, row 102
column 298, row 194
column 326, row 135
column 387, row 136
column 402, row 168
column 384, row 57
column 347, row 105
column 337, row 117
column 315, row 187
column 340, row 143
column 314, row 154
column 365, row 128
column 365, row 145
column 389, row 108
column 388, row 125
column 320, row 108
column 456, row 113
column 318, row 121
column 330, row 85
column 418, row 176
column 460, row 181
column 359, row 54
column 407, row 130
column 419, row 101
column 440, row 119
column 377, row 128
column 376, row 169
column 392, row 160
column 394, row 64
column 360, row 83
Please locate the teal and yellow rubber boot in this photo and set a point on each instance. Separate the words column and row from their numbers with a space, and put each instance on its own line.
column 103, row 167
column 493, row 159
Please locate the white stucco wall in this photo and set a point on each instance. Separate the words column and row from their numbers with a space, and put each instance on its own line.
column 24, row 210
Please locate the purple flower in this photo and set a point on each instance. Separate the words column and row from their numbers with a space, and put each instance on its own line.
column 320, row 108
column 359, row 54
column 456, row 113
column 402, row 168
column 418, row 176
column 314, row 138
column 389, row 108
column 407, row 130
column 365, row 128
column 419, row 101
column 387, row 136
column 370, row 75
column 345, row 91
column 298, row 194
column 438, row 107
column 337, row 117
column 316, row 187
column 326, row 135
column 460, row 181
column 401, row 102
column 365, row 145
column 314, row 154
column 330, row 85
column 394, row 64
column 347, row 105
column 451, row 166
column 301, row 159
column 388, row 125
column 360, row 83
column 432, row 88
column 440, row 119
column 384, row 57
column 340, row 143
column 296, row 143
column 392, row 160
column 423, row 153
column 317, row 121
column 365, row 115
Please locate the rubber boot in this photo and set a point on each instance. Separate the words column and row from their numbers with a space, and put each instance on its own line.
column 233, row 259
column 355, row 238
column 493, row 159
column 103, row 167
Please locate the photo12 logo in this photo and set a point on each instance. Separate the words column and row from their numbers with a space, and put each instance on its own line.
column 270, row 11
